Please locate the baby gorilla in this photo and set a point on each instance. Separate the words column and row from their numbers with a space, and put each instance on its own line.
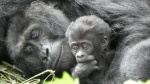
column 88, row 37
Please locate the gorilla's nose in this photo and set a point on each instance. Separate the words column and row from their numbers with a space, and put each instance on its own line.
column 80, row 55
column 45, row 52
column 44, row 55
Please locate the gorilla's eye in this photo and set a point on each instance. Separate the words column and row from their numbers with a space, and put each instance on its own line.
column 35, row 34
column 74, row 48
column 85, row 46
column 28, row 49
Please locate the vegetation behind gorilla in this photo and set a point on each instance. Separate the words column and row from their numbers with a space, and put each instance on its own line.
column 35, row 39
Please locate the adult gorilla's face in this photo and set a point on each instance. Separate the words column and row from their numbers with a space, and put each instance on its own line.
column 36, row 40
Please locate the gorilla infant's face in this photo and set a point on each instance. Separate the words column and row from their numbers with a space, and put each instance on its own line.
column 36, row 40
column 81, row 49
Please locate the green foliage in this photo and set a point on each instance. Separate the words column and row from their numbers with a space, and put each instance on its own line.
column 136, row 82
column 66, row 79
column 9, row 74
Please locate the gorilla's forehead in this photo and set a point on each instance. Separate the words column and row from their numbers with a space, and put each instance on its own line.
column 47, row 13
column 35, row 25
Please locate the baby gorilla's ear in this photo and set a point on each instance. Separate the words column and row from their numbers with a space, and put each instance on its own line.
column 105, row 42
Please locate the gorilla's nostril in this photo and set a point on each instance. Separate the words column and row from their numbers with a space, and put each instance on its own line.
column 47, row 52
column 82, row 56
column 79, row 56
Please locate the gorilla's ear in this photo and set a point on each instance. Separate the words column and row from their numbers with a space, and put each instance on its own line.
column 105, row 42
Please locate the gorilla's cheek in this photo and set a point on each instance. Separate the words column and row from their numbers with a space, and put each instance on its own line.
column 36, row 64
column 54, row 53
column 66, row 60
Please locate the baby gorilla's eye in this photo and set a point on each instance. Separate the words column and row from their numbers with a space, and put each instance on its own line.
column 35, row 34
column 85, row 46
column 75, row 48
column 28, row 50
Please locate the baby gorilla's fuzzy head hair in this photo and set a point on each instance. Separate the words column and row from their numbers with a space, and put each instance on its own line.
column 88, row 27
column 89, row 30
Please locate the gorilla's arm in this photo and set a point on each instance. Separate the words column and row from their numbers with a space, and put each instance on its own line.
column 135, row 62
column 132, row 55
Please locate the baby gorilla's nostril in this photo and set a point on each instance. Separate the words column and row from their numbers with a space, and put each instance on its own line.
column 79, row 56
column 47, row 52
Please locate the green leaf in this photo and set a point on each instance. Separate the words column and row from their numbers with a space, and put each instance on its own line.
column 2, row 68
column 66, row 79
column 136, row 82
column 3, row 82
column 76, row 80
column 147, row 82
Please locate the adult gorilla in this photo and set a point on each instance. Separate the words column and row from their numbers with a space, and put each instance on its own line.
column 35, row 39
column 9, row 7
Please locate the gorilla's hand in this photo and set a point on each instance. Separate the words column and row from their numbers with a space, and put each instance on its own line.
column 83, row 69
